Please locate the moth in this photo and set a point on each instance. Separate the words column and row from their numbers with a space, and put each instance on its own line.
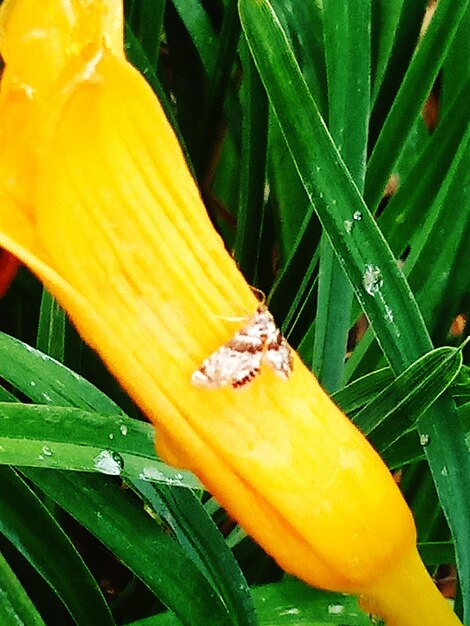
column 238, row 362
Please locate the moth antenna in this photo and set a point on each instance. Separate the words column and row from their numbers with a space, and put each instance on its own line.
column 247, row 317
column 226, row 318
column 260, row 293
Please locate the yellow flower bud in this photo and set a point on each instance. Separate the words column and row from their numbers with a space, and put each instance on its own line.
column 98, row 201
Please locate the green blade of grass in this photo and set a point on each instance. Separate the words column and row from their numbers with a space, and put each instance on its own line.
column 139, row 60
column 347, row 53
column 411, row 96
column 456, row 70
column 204, row 544
column 116, row 517
column 51, row 329
column 365, row 256
column 385, row 20
column 46, row 381
column 361, row 248
column 15, row 606
column 291, row 603
column 303, row 24
column 250, row 212
column 200, row 29
column 146, row 22
column 398, row 407
column 49, row 550
column 358, row 393
column 444, row 161
column 436, row 552
column 71, row 439
column 397, row 25
column 219, row 84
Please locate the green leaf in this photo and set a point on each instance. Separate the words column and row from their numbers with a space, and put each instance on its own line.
column 361, row 248
column 219, row 84
column 436, row 552
column 45, row 380
column 295, row 280
column 140, row 61
column 358, row 393
column 250, row 215
column 403, row 225
column 292, row 603
column 200, row 29
column 15, row 605
column 398, row 407
column 203, row 543
column 116, row 517
column 147, row 23
column 347, row 52
column 303, row 24
column 72, row 439
column 411, row 96
column 456, row 72
column 385, row 20
column 51, row 330
column 365, row 256
column 396, row 28
column 49, row 550
column 439, row 239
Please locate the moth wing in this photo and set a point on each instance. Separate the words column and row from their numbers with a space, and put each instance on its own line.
column 229, row 365
column 278, row 355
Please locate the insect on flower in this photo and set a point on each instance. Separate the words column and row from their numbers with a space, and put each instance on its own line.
column 238, row 362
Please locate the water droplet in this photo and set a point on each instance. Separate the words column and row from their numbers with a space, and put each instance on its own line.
column 348, row 225
column 179, row 476
column 372, row 280
column 41, row 457
column 292, row 611
column 32, row 383
column 444, row 471
column 46, row 397
column 108, row 462
column 335, row 609
column 123, row 429
column 357, row 216
column 111, row 436
column 152, row 473
column 424, row 440
column 46, row 451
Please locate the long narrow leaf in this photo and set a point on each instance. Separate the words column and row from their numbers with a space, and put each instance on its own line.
column 15, row 606
column 413, row 92
column 72, row 439
column 204, row 544
column 378, row 283
column 49, row 550
column 347, row 52
column 116, row 517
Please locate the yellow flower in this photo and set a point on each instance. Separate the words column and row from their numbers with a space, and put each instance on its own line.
column 97, row 200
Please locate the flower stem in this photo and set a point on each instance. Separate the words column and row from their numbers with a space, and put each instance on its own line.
column 407, row 596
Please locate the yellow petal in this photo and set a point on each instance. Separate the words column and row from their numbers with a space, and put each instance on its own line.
column 39, row 39
column 120, row 219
